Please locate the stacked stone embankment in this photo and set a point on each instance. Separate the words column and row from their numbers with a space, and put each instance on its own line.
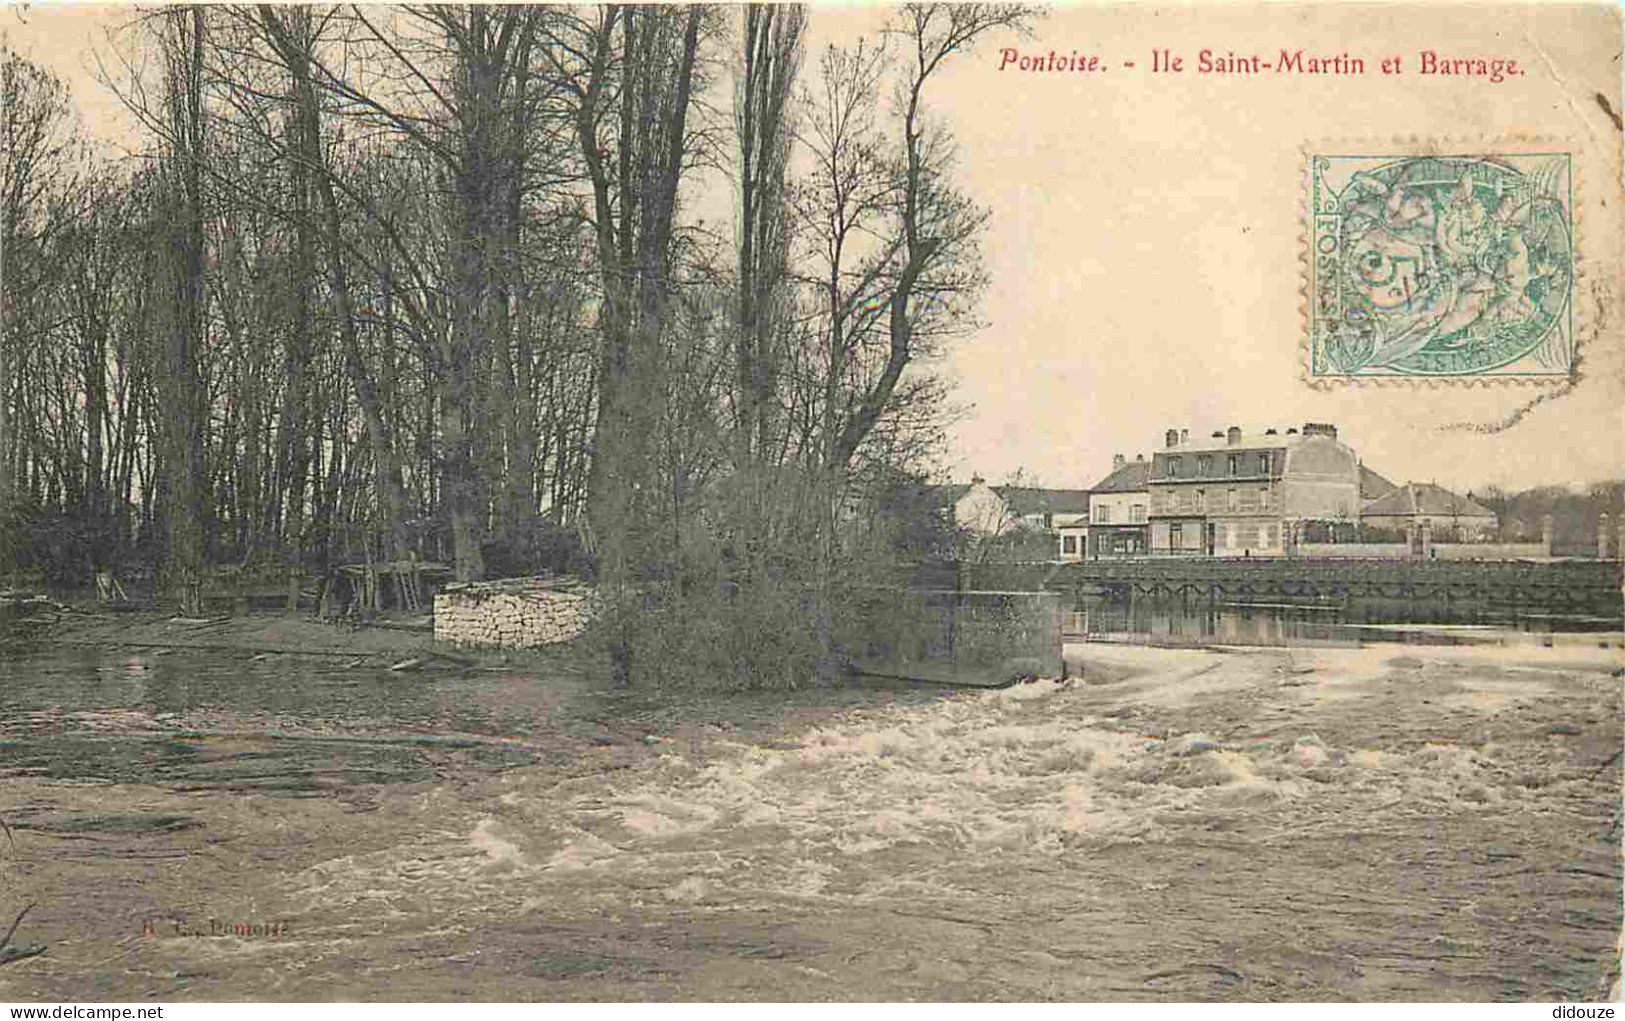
column 513, row 613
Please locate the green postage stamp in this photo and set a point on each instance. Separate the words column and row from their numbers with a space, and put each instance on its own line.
column 1440, row 267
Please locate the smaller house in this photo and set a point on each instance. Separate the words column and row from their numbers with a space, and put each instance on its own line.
column 1449, row 514
column 1046, row 510
column 1117, row 512
column 981, row 510
column 1004, row 510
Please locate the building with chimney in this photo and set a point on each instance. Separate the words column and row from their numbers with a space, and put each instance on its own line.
column 1119, row 513
column 1238, row 494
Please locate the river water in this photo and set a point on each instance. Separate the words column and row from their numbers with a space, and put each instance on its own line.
column 308, row 725
column 1198, row 622
column 469, row 834
column 290, row 725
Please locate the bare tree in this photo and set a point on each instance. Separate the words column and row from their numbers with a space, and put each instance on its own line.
column 762, row 112
column 892, row 238
column 632, row 98
column 34, row 167
column 182, row 471
column 291, row 35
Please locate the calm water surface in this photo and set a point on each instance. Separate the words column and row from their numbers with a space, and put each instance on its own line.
column 1196, row 622
column 290, row 724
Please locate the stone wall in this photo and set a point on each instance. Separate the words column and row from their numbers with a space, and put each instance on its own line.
column 1353, row 550
column 513, row 613
column 1443, row 551
column 1490, row 550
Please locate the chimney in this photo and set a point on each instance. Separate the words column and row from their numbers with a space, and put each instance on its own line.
column 1172, row 437
column 1117, row 461
column 976, row 479
column 1218, row 435
column 1320, row 429
column 1292, row 432
column 1139, row 458
column 1184, row 435
column 1269, row 432
column 1232, row 435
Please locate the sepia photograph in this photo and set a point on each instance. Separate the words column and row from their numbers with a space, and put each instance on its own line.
column 772, row 502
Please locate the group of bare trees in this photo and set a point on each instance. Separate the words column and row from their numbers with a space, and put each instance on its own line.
column 448, row 283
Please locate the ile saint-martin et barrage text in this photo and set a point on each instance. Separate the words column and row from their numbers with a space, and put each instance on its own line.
column 1293, row 62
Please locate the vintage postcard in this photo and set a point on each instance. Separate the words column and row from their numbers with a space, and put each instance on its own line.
column 827, row 502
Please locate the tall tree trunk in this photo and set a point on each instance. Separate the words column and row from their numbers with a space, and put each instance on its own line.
column 182, row 464
column 634, row 239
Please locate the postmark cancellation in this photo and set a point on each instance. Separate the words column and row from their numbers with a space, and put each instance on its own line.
column 1439, row 267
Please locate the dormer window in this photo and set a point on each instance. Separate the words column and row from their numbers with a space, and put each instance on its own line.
column 1204, row 465
column 1263, row 464
column 1173, row 467
column 1235, row 464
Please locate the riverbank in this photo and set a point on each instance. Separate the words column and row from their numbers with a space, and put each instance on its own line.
column 1379, row 823
column 276, row 633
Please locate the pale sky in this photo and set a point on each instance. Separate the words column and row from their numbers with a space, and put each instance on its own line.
column 1144, row 241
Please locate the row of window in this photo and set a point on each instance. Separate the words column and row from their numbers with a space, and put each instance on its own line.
column 1178, row 501
column 1103, row 514
column 1244, row 536
column 1116, row 542
column 1236, row 463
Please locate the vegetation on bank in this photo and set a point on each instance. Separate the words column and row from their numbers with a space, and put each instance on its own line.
column 439, row 283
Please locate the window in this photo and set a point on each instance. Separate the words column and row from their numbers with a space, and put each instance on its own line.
column 1103, row 514
column 1235, row 464
column 1232, row 500
column 1136, row 513
column 1204, row 465
column 1199, row 501
column 1174, row 536
column 1272, row 535
column 1173, row 467
column 1159, row 501
column 1264, row 499
column 1263, row 464
column 1069, row 544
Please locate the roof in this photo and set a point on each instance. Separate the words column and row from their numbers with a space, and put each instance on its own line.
column 1425, row 498
column 1248, row 441
column 1373, row 485
column 1128, row 477
column 1032, row 500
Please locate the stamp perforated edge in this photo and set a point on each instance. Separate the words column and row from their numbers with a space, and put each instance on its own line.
column 1401, row 146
